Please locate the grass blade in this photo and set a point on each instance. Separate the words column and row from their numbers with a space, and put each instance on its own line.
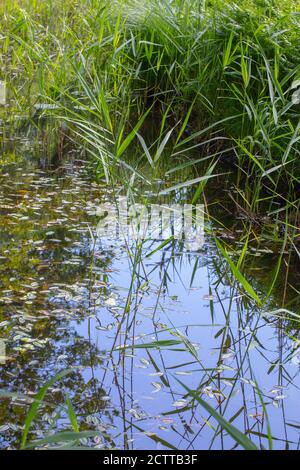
column 38, row 399
column 239, row 437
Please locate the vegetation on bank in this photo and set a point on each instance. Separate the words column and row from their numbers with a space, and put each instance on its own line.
column 223, row 76
column 211, row 87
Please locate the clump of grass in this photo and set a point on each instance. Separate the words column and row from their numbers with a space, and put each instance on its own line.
column 165, row 80
column 217, row 78
column 114, row 60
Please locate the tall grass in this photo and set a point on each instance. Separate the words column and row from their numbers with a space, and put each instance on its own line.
column 194, row 83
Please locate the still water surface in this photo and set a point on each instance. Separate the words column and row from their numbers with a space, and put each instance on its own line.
column 69, row 300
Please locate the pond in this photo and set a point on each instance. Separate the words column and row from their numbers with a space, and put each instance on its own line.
column 136, row 328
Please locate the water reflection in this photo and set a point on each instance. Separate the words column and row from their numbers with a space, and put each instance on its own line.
column 135, row 324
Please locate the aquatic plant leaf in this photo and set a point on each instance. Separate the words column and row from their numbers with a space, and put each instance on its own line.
column 186, row 183
column 37, row 401
column 127, row 141
column 239, row 276
column 155, row 344
column 63, row 436
column 72, row 415
column 153, row 436
column 239, row 437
